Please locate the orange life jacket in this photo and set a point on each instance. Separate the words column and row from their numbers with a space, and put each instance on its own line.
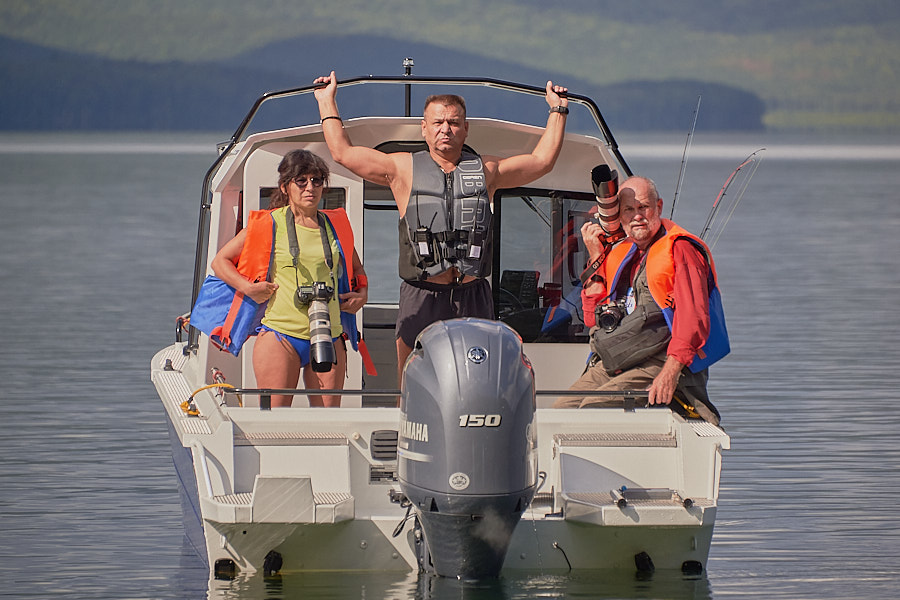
column 660, row 267
column 256, row 258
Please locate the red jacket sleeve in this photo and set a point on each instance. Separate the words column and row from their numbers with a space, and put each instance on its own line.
column 690, row 323
column 591, row 295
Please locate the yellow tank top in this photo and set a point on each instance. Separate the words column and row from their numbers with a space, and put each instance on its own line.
column 284, row 312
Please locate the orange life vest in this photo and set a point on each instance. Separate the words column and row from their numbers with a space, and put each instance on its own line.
column 255, row 261
column 661, row 281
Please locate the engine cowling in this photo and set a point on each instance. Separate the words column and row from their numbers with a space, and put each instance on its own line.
column 467, row 446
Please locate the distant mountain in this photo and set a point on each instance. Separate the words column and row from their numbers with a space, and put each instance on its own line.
column 738, row 16
column 815, row 64
column 54, row 90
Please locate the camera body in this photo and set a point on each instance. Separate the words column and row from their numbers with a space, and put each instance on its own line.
column 321, row 346
column 319, row 290
column 609, row 315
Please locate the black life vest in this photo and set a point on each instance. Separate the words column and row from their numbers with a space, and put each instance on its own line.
column 448, row 220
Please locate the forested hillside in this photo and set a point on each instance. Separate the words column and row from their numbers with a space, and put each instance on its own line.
column 808, row 63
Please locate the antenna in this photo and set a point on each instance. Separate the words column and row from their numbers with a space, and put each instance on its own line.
column 687, row 145
column 408, row 64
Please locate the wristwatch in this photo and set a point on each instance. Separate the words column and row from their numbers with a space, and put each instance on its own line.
column 564, row 110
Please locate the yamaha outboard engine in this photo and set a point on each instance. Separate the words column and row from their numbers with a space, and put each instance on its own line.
column 467, row 446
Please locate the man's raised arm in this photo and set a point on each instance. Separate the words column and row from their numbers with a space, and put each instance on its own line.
column 525, row 168
column 365, row 162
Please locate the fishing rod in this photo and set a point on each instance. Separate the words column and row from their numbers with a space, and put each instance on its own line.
column 687, row 146
column 714, row 211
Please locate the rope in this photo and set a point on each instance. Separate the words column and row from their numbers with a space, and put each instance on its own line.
column 212, row 385
column 188, row 405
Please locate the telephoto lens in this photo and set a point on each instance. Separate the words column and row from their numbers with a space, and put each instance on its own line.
column 321, row 348
column 606, row 186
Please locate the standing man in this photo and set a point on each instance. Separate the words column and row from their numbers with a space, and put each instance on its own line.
column 654, row 309
column 443, row 196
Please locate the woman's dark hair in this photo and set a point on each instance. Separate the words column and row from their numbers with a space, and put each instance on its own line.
column 297, row 163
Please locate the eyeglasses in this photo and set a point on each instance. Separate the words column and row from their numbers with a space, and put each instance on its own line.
column 302, row 181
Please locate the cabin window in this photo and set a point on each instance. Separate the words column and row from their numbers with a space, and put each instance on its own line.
column 538, row 259
column 380, row 244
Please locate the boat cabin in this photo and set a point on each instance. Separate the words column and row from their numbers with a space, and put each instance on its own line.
column 538, row 253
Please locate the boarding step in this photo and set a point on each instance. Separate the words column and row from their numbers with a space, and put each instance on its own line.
column 616, row 440
column 645, row 506
column 615, row 498
column 280, row 500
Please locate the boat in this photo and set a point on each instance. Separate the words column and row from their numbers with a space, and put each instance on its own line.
column 347, row 489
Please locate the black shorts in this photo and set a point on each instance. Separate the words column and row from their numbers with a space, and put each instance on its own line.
column 423, row 303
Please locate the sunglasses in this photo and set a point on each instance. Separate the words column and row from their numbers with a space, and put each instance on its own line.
column 302, row 181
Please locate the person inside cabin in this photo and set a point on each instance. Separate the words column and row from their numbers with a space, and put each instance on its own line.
column 307, row 251
column 444, row 197
column 654, row 309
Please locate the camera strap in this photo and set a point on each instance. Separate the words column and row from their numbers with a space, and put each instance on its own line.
column 294, row 245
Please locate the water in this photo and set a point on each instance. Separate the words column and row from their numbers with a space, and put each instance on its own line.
column 96, row 253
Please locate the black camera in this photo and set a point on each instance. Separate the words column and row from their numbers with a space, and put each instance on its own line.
column 319, row 290
column 609, row 315
column 321, row 347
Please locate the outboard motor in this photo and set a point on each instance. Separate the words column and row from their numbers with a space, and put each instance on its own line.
column 467, row 448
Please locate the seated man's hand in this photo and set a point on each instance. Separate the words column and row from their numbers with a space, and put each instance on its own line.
column 663, row 387
column 593, row 236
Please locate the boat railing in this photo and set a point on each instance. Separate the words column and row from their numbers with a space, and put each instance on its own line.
column 265, row 394
column 409, row 81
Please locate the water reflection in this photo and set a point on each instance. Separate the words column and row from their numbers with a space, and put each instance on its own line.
column 97, row 263
column 509, row 586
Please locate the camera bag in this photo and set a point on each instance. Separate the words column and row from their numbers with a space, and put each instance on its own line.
column 639, row 336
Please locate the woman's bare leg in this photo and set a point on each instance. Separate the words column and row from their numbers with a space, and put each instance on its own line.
column 276, row 365
column 332, row 380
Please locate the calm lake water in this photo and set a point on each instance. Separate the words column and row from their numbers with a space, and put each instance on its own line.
column 97, row 243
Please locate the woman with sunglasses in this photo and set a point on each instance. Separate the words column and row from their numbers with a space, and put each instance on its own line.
column 292, row 237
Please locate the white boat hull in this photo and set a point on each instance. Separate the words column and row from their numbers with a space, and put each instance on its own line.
column 302, row 482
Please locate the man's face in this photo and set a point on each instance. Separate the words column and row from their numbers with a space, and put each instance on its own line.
column 444, row 128
column 639, row 214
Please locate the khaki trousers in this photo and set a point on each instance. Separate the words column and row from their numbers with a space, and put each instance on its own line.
column 596, row 378
column 691, row 388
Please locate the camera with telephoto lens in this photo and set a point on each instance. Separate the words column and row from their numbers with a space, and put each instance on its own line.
column 319, row 290
column 609, row 315
column 605, row 182
column 321, row 346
